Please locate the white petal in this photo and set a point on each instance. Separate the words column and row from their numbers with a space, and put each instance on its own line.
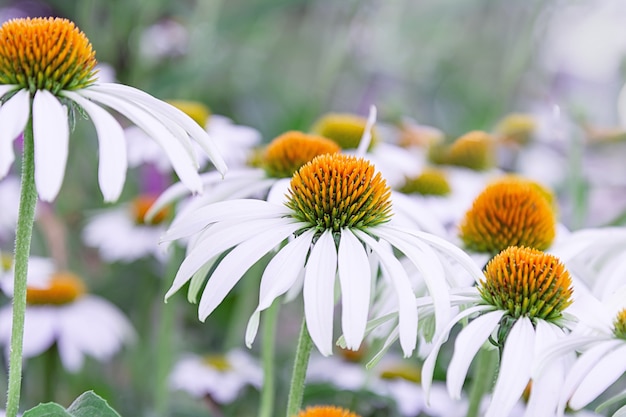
column 40, row 325
column 13, row 117
column 240, row 210
column 427, row 263
column 176, row 115
column 279, row 275
column 467, row 344
column 514, row 372
column 429, row 364
column 236, row 263
column 599, row 378
column 51, row 134
column 219, row 242
column 112, row 160
column 182, row 162
column 355, row 279
column 319, row 290
column 407, row 307
column 366, row 138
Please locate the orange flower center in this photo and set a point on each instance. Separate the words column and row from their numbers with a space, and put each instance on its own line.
column 510, row 212
column 289, row 151
column 140, row 206
column 326, row 411
column 63, row 288
column 336, row 190
column 527, row 282
column 45, row 53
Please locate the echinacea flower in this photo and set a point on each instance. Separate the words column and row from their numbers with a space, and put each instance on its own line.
column 61, row 312
column 520, row 305
column 46, row 74
column 222, row 377
column 122, row 233
column 326, row 411
column 337, row 221
column 601, row 337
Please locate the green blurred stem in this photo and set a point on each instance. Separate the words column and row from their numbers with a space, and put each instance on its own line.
column 266, row 408
column 51, row 368
column 296, row 390
column 482, row 379
column 25, row 221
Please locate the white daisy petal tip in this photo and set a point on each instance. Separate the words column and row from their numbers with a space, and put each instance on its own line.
column 252, row 328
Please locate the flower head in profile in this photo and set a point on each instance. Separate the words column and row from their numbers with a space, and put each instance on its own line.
column 337, row 222
column 474, row 150
column 61, row 312
column 46, row 74
column 222, row 377
column 123, row 234
column 520, row 304
column 510, row 212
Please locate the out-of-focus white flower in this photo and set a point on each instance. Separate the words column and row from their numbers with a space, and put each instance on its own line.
column 165, row 39
column 220, row 377
column 60, row 311
column 45, row 95
column 121, row 233
column 9, row 207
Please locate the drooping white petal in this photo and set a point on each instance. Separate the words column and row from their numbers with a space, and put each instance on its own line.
column 236, row 263
column 279, row 275
column 112, row 160
column 318, row 292
column 569, row 344
column 170, row 112
column 427, row 263
column 13, row 117
column 355, row 280
column 467, row 344
column 219, row 242
column 51, row 136
column 40, row 325
column 429, row 364
column 182, row 162
column 514, row 372
column 232, row 210
column 605, row 372
column 366, row 138
column 407, row 308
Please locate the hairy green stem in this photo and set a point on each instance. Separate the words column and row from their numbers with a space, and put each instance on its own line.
column 296, row 390
column 266, row 408
column 482, row 379
column 25, row 221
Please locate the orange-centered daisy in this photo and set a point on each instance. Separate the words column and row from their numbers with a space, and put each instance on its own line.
column 474, row 150
column 345, row 129
column 326, row 411
column 62, row 288
column 429, row 182
column 46, row 74
column 140, row 206
column 289, row 151
column 510, row 212
column 527, row 282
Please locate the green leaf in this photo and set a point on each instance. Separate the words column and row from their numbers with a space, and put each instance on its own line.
column 89, row 404
column 47, row 410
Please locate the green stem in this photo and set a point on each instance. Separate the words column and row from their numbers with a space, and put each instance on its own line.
column 296, row 390
column 482, row 379
column 266, row 408
column 50, row 380
column 165, row 351
column 25, row 221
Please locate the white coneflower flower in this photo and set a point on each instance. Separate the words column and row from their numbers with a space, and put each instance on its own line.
column 60, row 311
column 46, row 72
column 520, row 304
column 601, row 337
column 123, row 234
column 222, row 377
column 336, row 222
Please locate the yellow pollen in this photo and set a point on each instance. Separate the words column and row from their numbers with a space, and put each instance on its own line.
column 429, row 182
column 63, row 288
column 45, row 54
column 344, row 129
column 619, row 325
column 516, row 128
column 408, row 372
column 289, row 151
column 354, row 356
column 509, row 212
column 334, row 191
column 218, row 362
column 326, row 411
column 140, row 206
column 194, row 109
column 474, row 150
column 527, row 282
